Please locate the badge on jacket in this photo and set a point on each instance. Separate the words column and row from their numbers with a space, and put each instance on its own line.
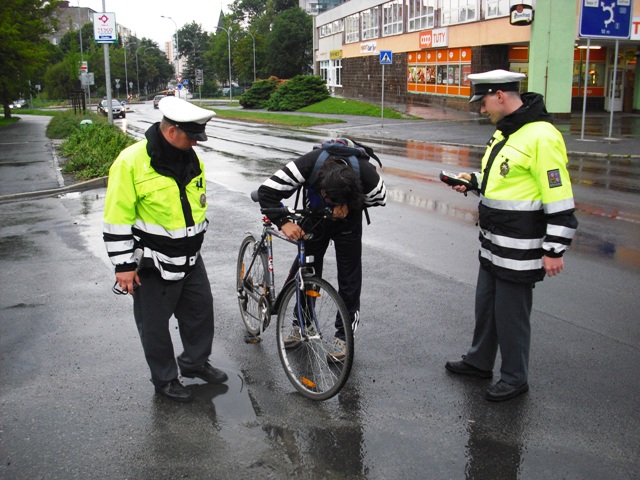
column 554, row 178
column 504, row 168
column 203, row 200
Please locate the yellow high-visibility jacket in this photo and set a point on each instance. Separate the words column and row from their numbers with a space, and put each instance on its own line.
column 160, row 214
column 526, row 200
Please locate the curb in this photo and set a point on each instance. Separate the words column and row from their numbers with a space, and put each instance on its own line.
column 76, row 187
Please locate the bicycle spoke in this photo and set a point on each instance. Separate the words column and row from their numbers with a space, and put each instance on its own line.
column 252, row 284
column 309, row 366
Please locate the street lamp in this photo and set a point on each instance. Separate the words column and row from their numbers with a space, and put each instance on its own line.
column 253, row 39
column 126, row 78
column 177, row 47
column 137, row 74
column 229, row 42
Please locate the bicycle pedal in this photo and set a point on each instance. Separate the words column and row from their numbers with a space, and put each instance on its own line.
column 253, row 339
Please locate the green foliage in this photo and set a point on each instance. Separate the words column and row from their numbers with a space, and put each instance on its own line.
column 65, row 123
column 286, row 119
column 62, row 78
column 24, row 47
column 290, row 44
column 343, row 106
column 90, row 150
column 259, row 93
column 300, row 91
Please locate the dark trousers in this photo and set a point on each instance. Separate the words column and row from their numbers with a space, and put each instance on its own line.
column 191, row 301
column 503, row 312
column 347, row 240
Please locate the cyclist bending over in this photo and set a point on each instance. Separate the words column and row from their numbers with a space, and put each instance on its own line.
column 338, row 175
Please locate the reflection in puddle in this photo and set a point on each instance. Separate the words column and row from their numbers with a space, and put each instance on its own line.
column 431, row 204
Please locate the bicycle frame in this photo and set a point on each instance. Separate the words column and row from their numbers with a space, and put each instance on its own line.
column 266, row 242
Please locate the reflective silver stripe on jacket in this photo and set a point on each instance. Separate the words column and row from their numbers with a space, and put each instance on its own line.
column 160, row 231
column 518, row 265
column 510, row 242
column 513, row 205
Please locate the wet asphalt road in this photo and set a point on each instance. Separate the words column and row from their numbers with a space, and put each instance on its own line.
column 75, row 401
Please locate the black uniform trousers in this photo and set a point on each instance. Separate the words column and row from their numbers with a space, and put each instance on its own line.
column 347, row 240
column 191, row 301
column 503, row 313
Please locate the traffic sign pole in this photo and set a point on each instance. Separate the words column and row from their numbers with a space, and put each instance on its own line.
column 386, row 58
column 604, row 19
column 382, row 107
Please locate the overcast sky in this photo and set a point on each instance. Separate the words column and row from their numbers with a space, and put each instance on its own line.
column 143, row 17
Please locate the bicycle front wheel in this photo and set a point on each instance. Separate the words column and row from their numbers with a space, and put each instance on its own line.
column 251, row 282
column 315, row 365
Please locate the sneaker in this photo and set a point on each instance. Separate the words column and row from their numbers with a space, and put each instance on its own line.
column 293, row 339
column 338, row 350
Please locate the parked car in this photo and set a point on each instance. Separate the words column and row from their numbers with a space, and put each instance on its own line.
column 19, row 104
column 157, row 99
column 117, row 109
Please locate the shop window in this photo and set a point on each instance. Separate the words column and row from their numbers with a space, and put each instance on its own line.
column 440, row 71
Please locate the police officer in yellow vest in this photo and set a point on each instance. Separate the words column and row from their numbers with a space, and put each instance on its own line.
column 526, row 218
column 154, row 224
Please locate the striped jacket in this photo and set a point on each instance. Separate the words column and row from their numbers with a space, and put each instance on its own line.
column 297, row 173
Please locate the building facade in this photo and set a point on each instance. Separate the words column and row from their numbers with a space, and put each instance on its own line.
column 436, row 44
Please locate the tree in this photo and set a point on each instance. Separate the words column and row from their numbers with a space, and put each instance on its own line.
column 24, row 47
column 292, row 36
column 193, row 43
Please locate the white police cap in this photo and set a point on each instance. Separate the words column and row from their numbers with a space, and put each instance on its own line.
column 491, row 82
column 186, row 116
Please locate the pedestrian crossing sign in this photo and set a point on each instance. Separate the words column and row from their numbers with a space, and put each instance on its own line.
column 386, row 57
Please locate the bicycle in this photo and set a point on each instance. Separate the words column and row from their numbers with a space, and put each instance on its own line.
column 305, row 301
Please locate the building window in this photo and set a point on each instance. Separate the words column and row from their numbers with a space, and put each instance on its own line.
column 324, row 70
column 337, row 65
column 352, row 29
column 496, row 8
column 331, row 72
column 459, row 11
column 420, row 14
column 392, row 18
column 370, row 24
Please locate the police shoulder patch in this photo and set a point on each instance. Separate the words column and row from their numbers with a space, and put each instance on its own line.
column 554, row 178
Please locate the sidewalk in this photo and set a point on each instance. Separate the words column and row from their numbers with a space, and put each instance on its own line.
column 452, row 127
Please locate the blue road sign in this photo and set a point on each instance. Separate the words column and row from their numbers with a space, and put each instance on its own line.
column 605, row 18
column 386, row 57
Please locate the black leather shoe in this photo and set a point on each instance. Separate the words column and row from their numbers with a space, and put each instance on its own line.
column 502, row 391
column 463, row 368
column 175, row 391
column 207, row 373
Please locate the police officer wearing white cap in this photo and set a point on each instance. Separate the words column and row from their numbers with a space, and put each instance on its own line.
column 527, row 222
column 154, row 225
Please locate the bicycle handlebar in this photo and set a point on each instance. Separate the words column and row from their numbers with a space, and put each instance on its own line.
column 299, row 213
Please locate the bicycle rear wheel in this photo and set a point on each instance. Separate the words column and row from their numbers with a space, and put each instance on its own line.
column 255, row 312
column 310, row 367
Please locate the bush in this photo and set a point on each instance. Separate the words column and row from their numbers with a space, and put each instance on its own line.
column 298, row 92
column 63, row 124
column 259, row 93
column 91, row 150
